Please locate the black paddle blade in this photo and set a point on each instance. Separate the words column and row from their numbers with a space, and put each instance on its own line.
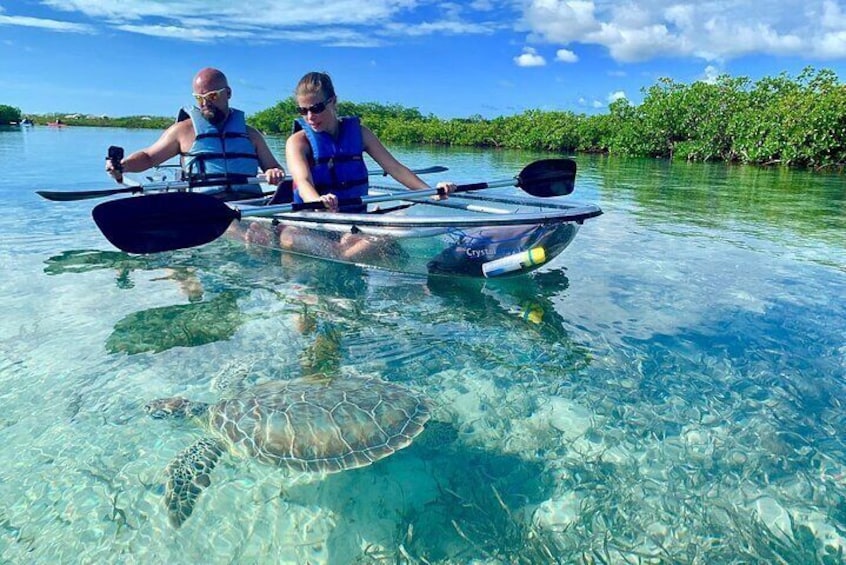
column 66, row 196
column 548, row 177
column 163, row 222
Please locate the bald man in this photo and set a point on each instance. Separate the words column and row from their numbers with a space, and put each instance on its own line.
column 213, row 142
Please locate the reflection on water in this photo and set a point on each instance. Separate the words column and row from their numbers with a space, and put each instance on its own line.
column 180, row 325
column 714, row 195
column 84, row 260
column 670, row 391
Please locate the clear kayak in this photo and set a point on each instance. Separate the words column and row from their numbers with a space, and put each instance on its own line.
column 466, row 235
column 469, row 234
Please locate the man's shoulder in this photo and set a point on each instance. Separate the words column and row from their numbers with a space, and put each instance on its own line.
column 253, row 133
column 184, row 127
column 183, row 133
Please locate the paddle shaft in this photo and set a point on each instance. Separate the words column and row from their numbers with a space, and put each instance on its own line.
column 264, row 211
column 404, row 194
column 513, row 201
column 68, row 196
column 175, row 186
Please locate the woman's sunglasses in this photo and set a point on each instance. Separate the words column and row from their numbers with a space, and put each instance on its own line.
column 316, row 109
column 209, row 97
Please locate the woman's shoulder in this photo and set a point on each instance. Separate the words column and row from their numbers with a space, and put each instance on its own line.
column 298, row 136
column 367, row 135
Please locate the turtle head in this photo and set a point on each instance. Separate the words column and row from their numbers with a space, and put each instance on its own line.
column 174, row 408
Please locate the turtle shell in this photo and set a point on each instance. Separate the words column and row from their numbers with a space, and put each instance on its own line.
column 321, row 424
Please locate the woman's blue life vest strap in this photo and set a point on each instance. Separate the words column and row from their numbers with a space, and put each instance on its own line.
column 337, row 164
column 219, row 152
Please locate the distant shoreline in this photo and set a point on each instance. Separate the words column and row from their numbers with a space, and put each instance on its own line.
column 137, row 122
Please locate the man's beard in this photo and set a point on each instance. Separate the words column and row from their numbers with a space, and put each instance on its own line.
column 214, row 115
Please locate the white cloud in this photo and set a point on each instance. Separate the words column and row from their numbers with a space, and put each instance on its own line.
column 831, row 45
column 636, row 44
column 832, row 16
column 682, row 16
column 529, row 58
column 193, row 34
column 710, row 74
column 566, row 56
column 359, row 23
column 739, row 38
column 482, row 5
column 263, row 13
column 618, row 95
column 43, row 23
column 591, row 103
column 639, row 30
column 450, row 27
column 560, row 21
column 198, row 33
column 634, row 30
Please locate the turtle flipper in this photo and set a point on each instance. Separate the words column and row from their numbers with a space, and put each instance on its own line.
column 187, row 476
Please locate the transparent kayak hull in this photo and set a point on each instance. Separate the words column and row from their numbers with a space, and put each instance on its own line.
column 515, row 237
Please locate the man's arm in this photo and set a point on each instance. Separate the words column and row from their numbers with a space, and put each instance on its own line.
column 265, row 156
column 267, row 161
column 166, row 147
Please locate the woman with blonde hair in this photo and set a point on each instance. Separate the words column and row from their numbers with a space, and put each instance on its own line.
column 325, row 152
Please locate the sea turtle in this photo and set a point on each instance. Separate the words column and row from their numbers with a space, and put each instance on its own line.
column 315, row 423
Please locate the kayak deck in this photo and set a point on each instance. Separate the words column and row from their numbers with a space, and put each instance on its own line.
column 454, row 237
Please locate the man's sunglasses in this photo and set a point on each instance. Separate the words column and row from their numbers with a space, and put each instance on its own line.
column 316, row 109
column 209, row 97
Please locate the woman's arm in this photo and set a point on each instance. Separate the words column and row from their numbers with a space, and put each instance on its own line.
column 389, row 163
column 393, row 167
column 297, row 152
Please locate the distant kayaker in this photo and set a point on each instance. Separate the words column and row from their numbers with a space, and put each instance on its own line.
column 213, row 141
column 325, row 152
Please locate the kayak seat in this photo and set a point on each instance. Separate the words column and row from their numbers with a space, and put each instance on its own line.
column 284, row 193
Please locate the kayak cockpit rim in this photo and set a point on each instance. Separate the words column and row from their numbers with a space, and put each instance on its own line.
column 573, row 213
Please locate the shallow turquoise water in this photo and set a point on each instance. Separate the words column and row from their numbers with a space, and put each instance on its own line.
column 668, row 389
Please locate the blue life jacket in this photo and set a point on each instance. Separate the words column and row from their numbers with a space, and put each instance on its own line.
column 219, row 152
column 337, row 165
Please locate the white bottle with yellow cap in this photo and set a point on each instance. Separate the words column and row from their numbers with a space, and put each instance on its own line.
column 522, row 260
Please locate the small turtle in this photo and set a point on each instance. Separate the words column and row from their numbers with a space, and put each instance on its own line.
column 315, row 424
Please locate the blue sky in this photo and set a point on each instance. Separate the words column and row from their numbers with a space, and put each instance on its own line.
column 450, row 59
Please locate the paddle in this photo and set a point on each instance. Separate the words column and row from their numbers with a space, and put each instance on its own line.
column 548, row 177
column 169, row 221
column 66, row 196
column 170, row 186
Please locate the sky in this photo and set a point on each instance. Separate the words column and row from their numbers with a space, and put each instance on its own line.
column 451, row 59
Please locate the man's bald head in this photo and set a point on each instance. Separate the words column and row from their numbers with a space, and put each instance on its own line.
column 209, row 79
column 212, row 82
